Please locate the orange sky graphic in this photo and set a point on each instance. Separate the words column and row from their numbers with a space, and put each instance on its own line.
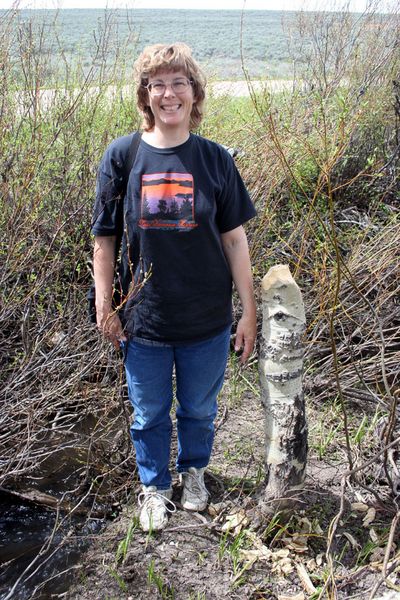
column 165, row 190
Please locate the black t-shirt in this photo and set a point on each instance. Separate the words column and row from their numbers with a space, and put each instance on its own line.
column 178, row 202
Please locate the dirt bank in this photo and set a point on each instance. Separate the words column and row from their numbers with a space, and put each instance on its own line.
column 229, row 552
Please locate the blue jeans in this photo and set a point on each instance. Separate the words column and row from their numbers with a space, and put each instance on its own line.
column 199, row 369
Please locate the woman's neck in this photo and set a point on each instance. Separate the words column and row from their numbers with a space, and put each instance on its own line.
column 165, row 139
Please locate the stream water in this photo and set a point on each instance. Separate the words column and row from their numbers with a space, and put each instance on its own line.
column 40, row 547
column 28, row 568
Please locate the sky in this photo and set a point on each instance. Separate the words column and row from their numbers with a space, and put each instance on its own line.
column 354, row 5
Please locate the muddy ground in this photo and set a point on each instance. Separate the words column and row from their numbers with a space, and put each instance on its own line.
column 229, row 551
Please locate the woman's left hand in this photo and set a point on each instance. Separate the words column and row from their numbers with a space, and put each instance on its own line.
column 245, row 338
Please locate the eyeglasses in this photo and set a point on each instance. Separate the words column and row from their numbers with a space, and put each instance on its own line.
column 178, row 86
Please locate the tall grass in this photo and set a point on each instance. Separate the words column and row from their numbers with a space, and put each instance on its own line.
column 330, row 155
column 54, row 368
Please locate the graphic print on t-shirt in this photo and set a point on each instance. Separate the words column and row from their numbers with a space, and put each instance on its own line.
column 167, row 201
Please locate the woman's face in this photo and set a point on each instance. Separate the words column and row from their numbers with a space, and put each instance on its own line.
column 171, row 108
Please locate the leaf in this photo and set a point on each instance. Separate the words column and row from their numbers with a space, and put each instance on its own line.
column 245, row 567
column 215, row 509
column 235, row 521
column 359, row 497
column 287, row 568
column 262, row 553
column 297, row 544
column 278, row 554
column 376, row 557
column 283, row 566
column 369, row 517
column 305, row 579
column 318, row 529
column 305, row 525
column 212, row 510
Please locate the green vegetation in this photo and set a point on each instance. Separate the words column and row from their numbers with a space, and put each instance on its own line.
column 215, row 36
column 165, row 590
column 124, row 544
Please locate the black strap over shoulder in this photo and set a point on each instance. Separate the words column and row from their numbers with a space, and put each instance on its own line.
column 127, row 168
column 130, row 159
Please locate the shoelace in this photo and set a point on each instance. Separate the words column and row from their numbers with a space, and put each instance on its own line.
column 195, row 484
column 151, row 500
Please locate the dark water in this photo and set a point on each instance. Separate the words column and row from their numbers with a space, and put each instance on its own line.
column 24, row 533
column 40, row 548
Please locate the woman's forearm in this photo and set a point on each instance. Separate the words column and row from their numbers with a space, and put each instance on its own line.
column 237, row 254
column 103, row 270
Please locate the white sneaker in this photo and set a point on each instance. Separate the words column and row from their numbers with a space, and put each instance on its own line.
column 195, row 494
column 154, row 507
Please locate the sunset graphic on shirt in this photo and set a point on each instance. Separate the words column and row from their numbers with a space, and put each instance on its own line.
column 167, row 201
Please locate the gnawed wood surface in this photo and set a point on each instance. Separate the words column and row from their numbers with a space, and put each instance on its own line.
column 281, row 368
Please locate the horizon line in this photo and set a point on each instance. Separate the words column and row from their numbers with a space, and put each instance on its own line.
column 113, row 9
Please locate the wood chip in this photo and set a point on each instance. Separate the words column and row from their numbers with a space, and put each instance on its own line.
column 369, row 517
column 359, row 507
column 352, row 540
column 299, row 596
column 373, row 535
column 319, row 559
column 311, row 565
column 283, row 566
column 305, row 579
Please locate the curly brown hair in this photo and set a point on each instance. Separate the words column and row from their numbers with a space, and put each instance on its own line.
column 174, row 57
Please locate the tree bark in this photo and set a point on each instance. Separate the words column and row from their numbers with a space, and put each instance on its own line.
column 281, row 368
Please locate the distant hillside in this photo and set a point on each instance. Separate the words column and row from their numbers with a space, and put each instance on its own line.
column 213, row 35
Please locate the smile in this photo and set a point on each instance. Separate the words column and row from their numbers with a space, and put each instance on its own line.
column 171, row 108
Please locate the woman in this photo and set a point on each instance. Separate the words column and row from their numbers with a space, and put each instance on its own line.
column 183, row 243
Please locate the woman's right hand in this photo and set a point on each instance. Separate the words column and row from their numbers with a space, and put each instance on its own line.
column 108, row 320
column 111, row 328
